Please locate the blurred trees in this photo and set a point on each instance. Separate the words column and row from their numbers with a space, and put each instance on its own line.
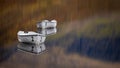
column 23, row 14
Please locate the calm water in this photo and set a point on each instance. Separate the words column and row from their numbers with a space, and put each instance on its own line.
column 88, row 34
column 68, row 48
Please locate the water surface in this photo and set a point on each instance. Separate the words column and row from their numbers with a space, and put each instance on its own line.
column 68, row 48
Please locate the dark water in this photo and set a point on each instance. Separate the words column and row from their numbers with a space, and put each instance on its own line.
column 106, row 49
column 5, row 53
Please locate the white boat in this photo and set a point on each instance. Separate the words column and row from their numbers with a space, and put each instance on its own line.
column 32, row 48
column 30, row 37
column 47, row 24
column 47, row 32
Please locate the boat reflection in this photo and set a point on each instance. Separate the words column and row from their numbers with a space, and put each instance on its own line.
column 32, row 48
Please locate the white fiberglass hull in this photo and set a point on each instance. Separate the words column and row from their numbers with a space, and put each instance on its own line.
column 47, row 24
column 30, row 37
column 47, row 32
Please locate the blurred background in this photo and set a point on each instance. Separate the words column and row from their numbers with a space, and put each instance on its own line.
column 18, row 15
column 88, row 33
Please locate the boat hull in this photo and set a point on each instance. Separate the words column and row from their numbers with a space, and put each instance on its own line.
column 46, row 24
column 31, row 39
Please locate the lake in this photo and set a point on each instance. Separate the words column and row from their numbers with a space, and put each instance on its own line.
column 73, row 46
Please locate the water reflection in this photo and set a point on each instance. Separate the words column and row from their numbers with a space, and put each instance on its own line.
column 103, row 48
column 68, row 50
column 32, row 48
column 35, row 43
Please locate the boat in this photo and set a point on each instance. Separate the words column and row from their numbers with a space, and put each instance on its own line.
column 30, row 37
column 32, row 48
column 47, row 24
column 47, row 32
